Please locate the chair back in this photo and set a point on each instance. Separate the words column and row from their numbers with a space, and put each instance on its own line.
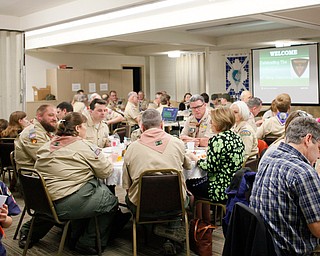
column 252, row 163
column 5, row 149
column 247, row 234
column 35, row 194
column 160, row 191
column 122, row 132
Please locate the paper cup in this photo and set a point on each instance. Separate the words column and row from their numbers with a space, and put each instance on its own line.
column 3, row 199
column 190, row 145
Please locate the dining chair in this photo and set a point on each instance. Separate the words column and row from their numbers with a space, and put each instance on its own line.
column 41, row 206
column 160, row 200
column 248, row 234
column 6, row 147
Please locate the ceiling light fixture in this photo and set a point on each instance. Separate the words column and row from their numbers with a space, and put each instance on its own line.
column 174, row 54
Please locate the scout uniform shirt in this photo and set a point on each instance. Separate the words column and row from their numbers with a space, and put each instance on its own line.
column 28, row 143
column 79, row 159
column 248, row 137
column 97, row 133
column 198, row 129
column 273, row 126
column 131, row 113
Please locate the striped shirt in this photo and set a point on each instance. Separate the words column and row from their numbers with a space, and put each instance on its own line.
column 286, row 192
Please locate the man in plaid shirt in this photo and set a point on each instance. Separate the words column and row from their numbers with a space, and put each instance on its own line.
column 286, row 191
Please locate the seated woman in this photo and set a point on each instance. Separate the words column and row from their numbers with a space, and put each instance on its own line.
column 185, row 103
column 224, row 158
column 17, row 122
column 244, row 129
column 70, row 166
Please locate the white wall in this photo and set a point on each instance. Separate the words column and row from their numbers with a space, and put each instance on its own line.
column 159, row 72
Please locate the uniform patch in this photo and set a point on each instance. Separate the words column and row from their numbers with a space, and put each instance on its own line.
column 97, row 151
column 245, row 133
column 33, row 136
column 158, row 142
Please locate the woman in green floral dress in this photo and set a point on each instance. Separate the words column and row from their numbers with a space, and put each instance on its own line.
column 224, row 158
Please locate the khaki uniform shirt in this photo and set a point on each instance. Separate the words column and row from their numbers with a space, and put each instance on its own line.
column 249, row 138
column 28, row 143
column 67, row 169
column 252, row 122
column 195, row 129
column 160, row 109
column 112, row 105
column 143, row 105
column 139, row 158
column 271, row 127
column 110, row 114
column 97, row 133
column 131, row 113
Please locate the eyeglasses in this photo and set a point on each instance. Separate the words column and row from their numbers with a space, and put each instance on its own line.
column 197, row 107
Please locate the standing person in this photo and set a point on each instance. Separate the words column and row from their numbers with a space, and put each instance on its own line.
column 26, row 147
column 156, row 149
column 70, row 166
column 286, row 191
column 17, row 122
column 97, row 129
column 185, row 102
column 197, row 126
column 224, row 158
column 63, row 109
column 131, row 112
column 244, row 129
column 143, row 102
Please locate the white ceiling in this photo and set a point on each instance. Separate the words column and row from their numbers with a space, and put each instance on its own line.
column 299, row 25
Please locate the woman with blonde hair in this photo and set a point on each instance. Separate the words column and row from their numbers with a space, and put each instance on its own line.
column 224, row 158
column 17, row 122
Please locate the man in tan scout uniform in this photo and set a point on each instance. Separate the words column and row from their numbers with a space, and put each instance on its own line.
column 26, row 146
column 156, row 149
column 97, row 129
column 131, row 112
column 197, row 127
column 35, row 135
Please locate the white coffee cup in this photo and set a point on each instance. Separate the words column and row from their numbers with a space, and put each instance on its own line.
column 190, row 145
column 3, row 199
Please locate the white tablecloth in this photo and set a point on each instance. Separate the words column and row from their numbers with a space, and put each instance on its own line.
column 195, row 172
column 116, row 176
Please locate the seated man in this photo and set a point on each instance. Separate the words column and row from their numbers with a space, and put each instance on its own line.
column 286, row 191
column 26, row 146
column 154, row 150
column 63, row 109
column 197, row 127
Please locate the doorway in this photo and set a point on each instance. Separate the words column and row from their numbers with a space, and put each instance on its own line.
column 137, row 77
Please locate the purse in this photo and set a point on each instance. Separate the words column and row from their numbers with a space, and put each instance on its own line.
column 200, row 236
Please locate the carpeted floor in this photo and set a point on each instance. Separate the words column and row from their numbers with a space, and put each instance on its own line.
column 120, row 246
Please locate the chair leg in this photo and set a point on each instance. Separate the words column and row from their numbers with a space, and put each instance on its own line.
column 134, row 230
column 187, row 233
column 63, row 238
column 98, row 235
column 20, row 222
column 29, row 238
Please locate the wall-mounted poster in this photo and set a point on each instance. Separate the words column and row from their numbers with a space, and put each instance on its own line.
column 237, row 75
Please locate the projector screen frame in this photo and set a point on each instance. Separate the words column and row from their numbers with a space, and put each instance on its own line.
column 253, row 72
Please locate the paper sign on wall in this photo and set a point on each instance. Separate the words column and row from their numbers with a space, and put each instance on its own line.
column 76, row 87
column 92, row 87
column 104, row 87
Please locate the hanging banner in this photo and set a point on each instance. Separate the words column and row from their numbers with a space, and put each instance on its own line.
column 237, row 75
